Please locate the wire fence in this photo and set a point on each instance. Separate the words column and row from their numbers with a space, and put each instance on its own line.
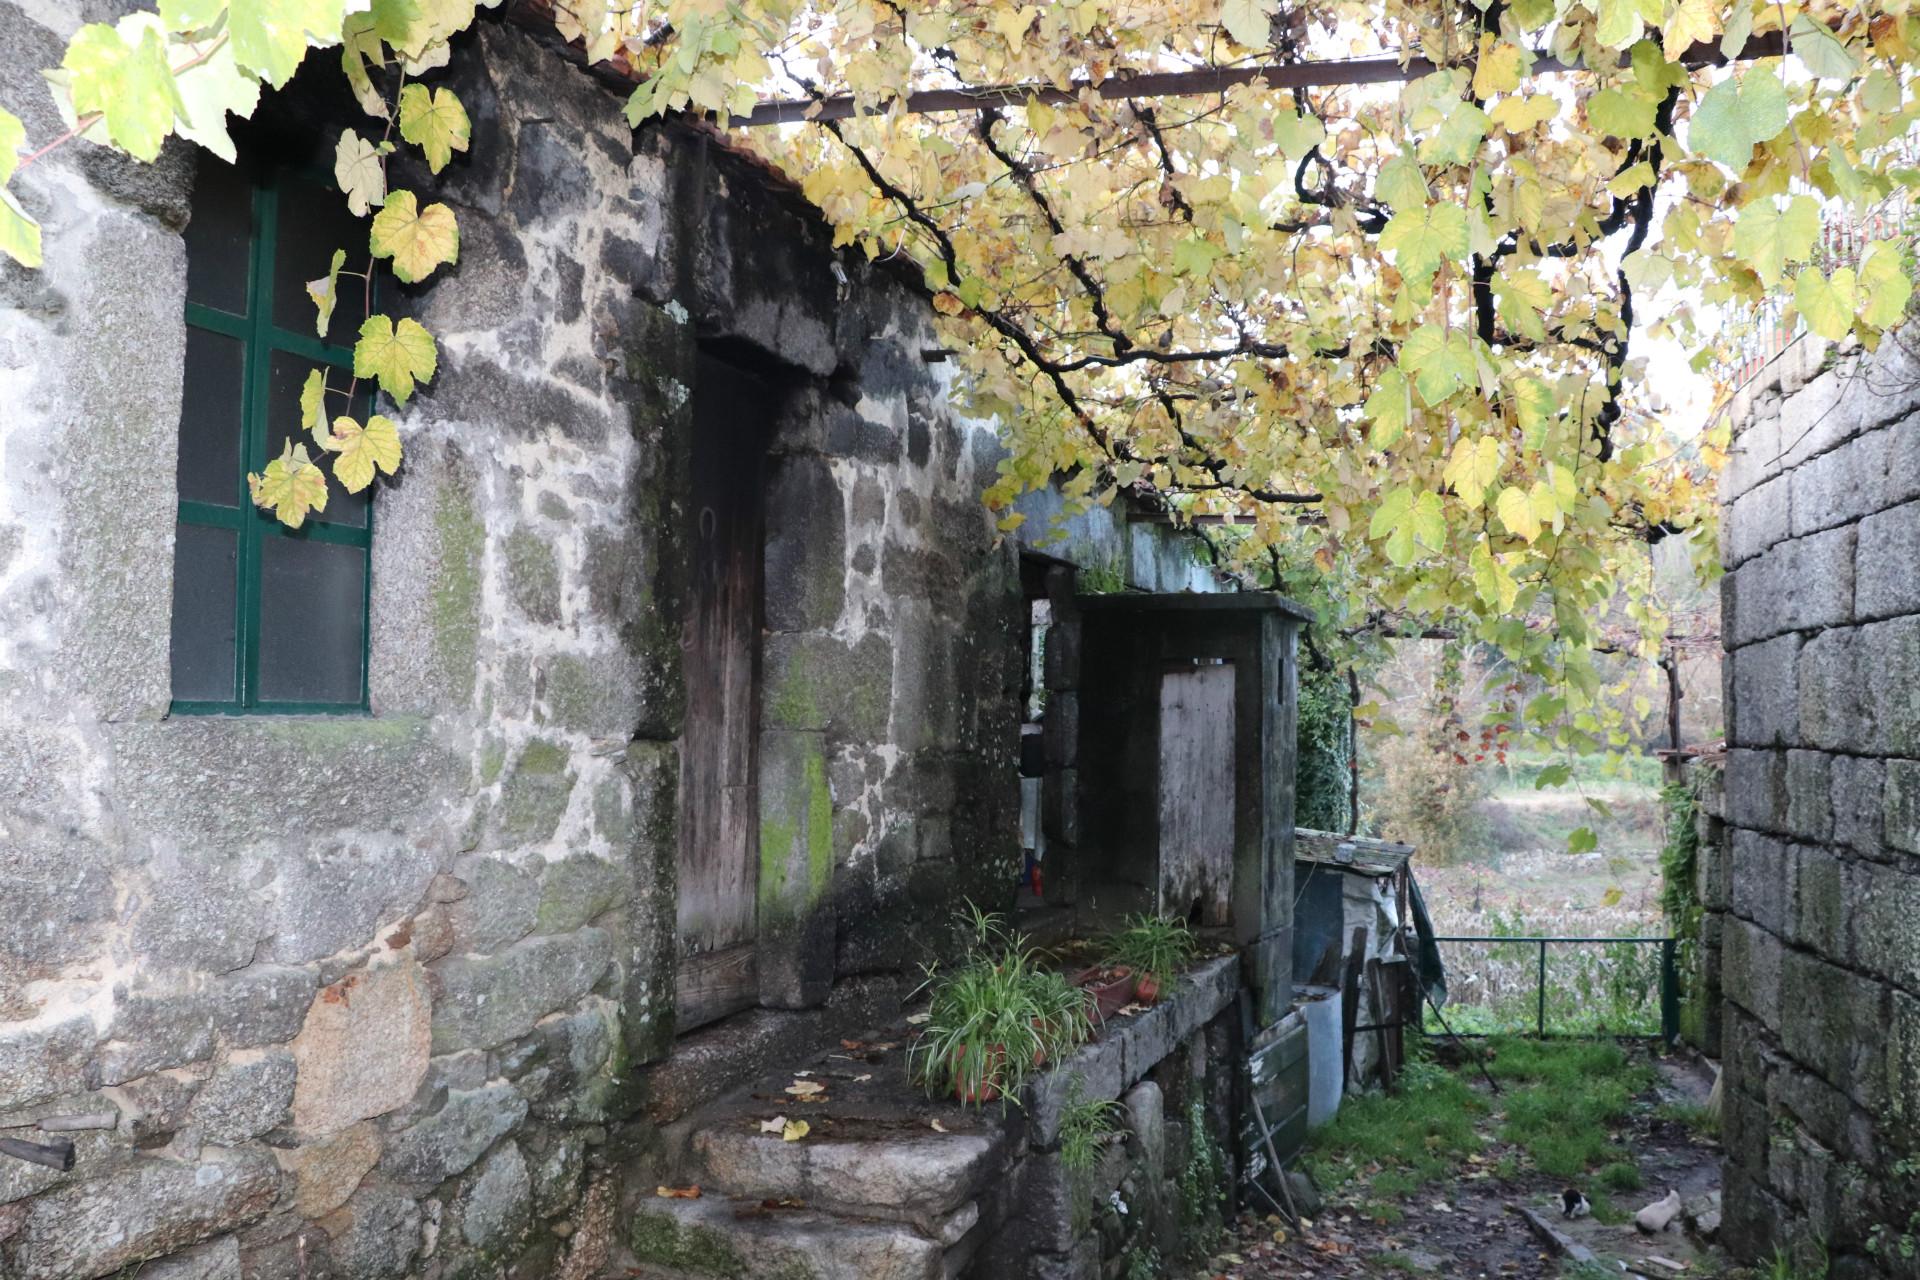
column 1625, row 988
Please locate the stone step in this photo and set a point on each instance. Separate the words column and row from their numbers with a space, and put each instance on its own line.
column 921, row 1180
column 717, row 1238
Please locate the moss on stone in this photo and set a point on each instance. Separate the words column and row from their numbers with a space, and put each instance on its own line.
column 572, row 695
column 493, row 757
column 455, row 610
column 542, row 755
column 338, row 732
column 535, row 792
column 659, row 1239
column 533, row 574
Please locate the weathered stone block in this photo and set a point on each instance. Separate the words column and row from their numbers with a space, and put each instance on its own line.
column 1757, row 519
column 649, row 852
column 1901, row 1112
column 1831, row 1022
column 1889, row 673
column 147, row 1208
column 363, row 1049
column 482, row 1002
column 1756, row 791
column 1836, row 713
column 172, row 1021
column 375, row 1235
column 818, row 681
column 1795, row 586
column 796, row 870
column 1750, row 974
column 1885, row 579
column 215, row 1260
column 535, row 794
column 334, row 897
column 192, row 914
column 495, row 1211
column 247, row 1096
column 1809, row 795
column 1901, row 809
column 806, row 550
column 1886, row 925
column 576, row 890
column 1764, row 710
column 1822, row 892
column 452, row 1138
column 327, row 1172
column 44, row 1057
column 533, row 574
column 500, row 907
column 1859, row 804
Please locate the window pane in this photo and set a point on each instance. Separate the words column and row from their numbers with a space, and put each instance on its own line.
column 217, row 236
column 313, row 223
column 312, row 611
column 203, row 601
column 288, row 374
column 209, row 465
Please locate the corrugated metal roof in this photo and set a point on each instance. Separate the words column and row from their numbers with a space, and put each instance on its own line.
column 1357, row 854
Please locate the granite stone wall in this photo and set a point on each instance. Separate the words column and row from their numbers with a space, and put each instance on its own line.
column 1818, row 886
column 363, row 996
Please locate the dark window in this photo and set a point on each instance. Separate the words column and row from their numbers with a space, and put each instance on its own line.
column 265, row 618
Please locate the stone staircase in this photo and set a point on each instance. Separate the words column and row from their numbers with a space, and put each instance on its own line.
column 873, row 1192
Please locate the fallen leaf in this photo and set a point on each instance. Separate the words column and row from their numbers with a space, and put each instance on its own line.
column 915, row 1019
column 775, row 1125
column 795, row 1130
column 803, row 1074
column 863, row 1079
column 938, row 1127
column 806, row 1088
column 677, row 1193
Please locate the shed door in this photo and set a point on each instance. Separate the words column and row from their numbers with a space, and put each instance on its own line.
column 719, row 802
column 1196, row 792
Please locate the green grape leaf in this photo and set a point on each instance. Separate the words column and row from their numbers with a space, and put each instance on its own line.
column 1826, row 302
column 1247, row 21
column 394, row 21
column 191, row 15
column 291, row 487
column 435, row 122
column 358, row 169
column 1738, row 115
column 1620, row 23
column 418, row 240
column 326, row 291
column 1424, row 238
column 270, row 37
column 1440, row 362
column 1767, row 238
column 1621, row 113
column 1401, row 184
column 1429, row 521
column 207, row 93
column 1392, row 520
column 1390, row 407
column 1739, row 27
column 129, row 85
column 19, row 234
column 1885, row 284
column 361, row 449
column 1582, row 840
column 313, row 404
column 398, row 355
column 1458, row 140
column 1825, row 54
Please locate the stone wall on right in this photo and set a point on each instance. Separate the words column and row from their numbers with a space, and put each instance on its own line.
column 1819, row 907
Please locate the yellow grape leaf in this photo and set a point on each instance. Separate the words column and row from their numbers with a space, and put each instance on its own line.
column 794, row 1130
column 1472, row 468
column 1492, row 581
column 1501, row 67
column 130, row 85
column 434, row 121
column 291, row 487
column 398, row 355
column 360, row 45
column 1688, row 22
column 1400, row 183
column 313, row 406
column 1885, row 284
column 418, row 240
column 1620, row 23
column 1248, row 21
column 1826, row 302
column 358, row 168
column 270, row 37
column 1516, row 512
column 361, row 449
column 326, row 291
column 1390, row 407
column 1517, row 115
column 1424, row 238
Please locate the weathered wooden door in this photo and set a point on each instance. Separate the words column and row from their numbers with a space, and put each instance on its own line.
column 1197, row 811
column 719, row 798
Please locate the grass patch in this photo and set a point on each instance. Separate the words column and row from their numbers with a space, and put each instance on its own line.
column 1621, row 1175
column 1563, row 1098
column 1399, row 1141
column 1700, row 1121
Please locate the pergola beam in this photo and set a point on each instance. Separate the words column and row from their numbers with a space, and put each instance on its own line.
column 1173, row 84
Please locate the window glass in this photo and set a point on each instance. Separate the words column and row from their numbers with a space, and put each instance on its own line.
column 312, row 598
column 218, row 236
column 209, row 462
column 313, row 222
column 289, row 374
column 203, row 613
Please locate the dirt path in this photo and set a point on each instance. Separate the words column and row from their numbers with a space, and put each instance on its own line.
column 1465, row 1224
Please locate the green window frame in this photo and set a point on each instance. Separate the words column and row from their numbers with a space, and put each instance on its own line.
column 264, row 551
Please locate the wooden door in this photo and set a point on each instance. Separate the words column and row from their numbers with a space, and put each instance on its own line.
column 719, row 798
column 1197, row 792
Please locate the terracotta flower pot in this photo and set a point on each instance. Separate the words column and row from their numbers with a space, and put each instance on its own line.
column 1111, row 989
column 988, row 1089
column 1146, row 988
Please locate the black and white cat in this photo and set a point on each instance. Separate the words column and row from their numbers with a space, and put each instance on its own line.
column 1573, row 1204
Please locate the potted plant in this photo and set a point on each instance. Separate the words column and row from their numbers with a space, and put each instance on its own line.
column 995, row 1019
column 1155, row 949
column 1110, row 986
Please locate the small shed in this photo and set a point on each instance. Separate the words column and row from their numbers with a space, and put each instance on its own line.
column 1352, row 921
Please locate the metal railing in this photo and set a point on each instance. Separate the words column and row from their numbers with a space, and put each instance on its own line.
column 1605, row 993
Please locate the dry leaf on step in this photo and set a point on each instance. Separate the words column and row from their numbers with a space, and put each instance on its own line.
column 937, row 1126
column 776, row 1125
column 806, row 1088
column 795, row 1130
column 677, row 1193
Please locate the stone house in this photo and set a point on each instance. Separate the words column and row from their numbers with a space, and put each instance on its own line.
column 1810, row 867
column 370, row 893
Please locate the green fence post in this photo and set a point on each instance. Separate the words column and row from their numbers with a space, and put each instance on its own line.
column 1542, row 1023
column 1669, row 993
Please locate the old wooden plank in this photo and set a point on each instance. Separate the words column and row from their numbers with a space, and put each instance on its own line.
column 1197, row 791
